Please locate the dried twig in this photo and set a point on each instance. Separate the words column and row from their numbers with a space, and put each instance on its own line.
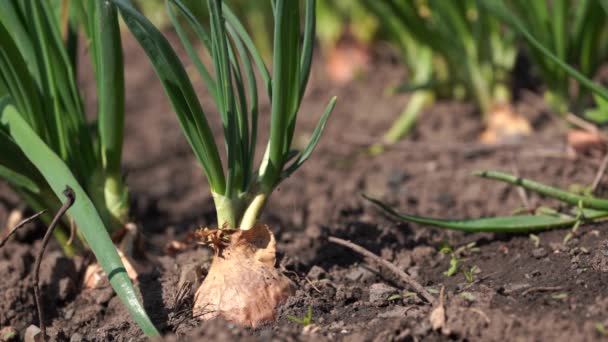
column 600, row 173
column 71, row 197
column 482, row 314
column 19, row 225
column 542, row 289
column 313, row 285
column 401, row 274
column 581, row 123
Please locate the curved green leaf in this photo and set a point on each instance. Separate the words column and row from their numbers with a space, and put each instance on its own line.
column 501, row 224
column 179, row 89
column 58, row 176
column 564, row 196
column 109, row 73
column 18, row 180
column 316, row 135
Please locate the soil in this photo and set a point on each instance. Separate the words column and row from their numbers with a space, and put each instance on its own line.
column 521, row 291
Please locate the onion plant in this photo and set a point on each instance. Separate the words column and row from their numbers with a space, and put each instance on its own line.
column 448, row 46
column 418, row 58
column 45, row 140
column 242, row 284
column 585, row 208
column 575, row 32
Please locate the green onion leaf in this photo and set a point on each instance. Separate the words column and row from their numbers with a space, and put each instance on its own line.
column 564, row 196
column 505, row 224
column 58, row 176
column 179, row 89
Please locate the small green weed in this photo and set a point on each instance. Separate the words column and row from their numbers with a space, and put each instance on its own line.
column 306, row 320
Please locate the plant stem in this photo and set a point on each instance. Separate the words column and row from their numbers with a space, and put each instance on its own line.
column 408, row 117
column 251, row 214
column 480, row 88
column 406, row 278
column 564, row 196
column 117, row 198
column 228, row 211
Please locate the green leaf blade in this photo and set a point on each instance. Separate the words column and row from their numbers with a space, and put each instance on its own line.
column 502, row 224
column 564, row 196
column 179, row 89
column 314, row 140
column 83, row 211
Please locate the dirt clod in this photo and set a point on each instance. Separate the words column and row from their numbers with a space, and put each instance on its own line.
column 379, row 293
column 33, row 334
column 539, row 253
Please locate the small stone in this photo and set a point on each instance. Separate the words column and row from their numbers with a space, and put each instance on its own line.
column 76, row 338
column 316, row 273
column 397, row 312
column 379, row 293
column 539, row 253
column 313, row 231
column 33, row 334
column 311, row 329
column 104, row 295
column 446, row 199
column 68, row 314
column 349, row 294
column 557, row 247
column 397, row 177
column 414, row 271
column 359, row 274
column 403, row 259
column 420, row 253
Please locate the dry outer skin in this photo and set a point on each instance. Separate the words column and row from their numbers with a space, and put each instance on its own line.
column 243, row 284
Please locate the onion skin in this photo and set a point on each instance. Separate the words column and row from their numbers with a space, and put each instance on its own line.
column 243, row 285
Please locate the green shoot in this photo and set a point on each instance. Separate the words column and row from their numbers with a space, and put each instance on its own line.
column 468, row 296
column 8, row 334
column 601, row 328
column 580, row 217
column 535, row 240
column 306, row 320
column 585, row 190
column 446, row 250
column 469, row 275
column 403, row 295
column 453, row 267
column 432, row 290
column 560, row 296
column 240, row 190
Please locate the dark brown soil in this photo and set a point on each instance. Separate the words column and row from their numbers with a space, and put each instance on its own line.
column 429, row 173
